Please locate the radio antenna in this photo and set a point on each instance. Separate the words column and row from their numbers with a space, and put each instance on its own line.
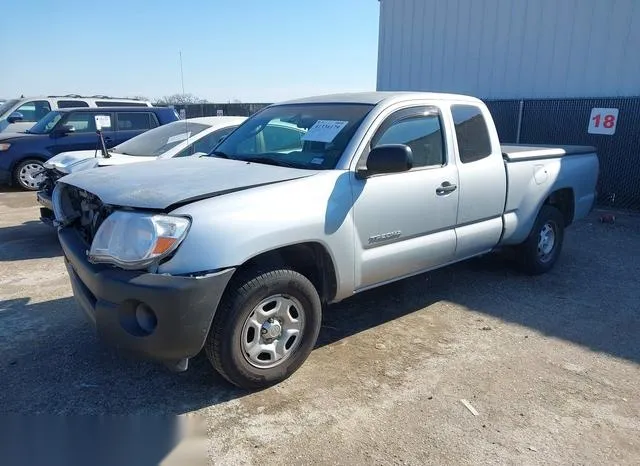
column 186, row 126
column 181, row 73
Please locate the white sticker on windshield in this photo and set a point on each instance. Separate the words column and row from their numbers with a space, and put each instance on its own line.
column 317, row 160
column 179, row 137
column 324, row 130
column 103, row 121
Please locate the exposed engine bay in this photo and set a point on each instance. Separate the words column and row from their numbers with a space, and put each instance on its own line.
column 79, row 208
column 51, row 176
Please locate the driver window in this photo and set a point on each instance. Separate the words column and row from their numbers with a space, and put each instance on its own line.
column 422, row 133
column 82, row 122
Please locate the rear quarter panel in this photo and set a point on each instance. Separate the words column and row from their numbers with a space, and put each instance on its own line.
column 531, row 182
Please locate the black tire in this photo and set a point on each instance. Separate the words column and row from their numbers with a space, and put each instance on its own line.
column 24, row 183
column 224, row 345
column 532, row 260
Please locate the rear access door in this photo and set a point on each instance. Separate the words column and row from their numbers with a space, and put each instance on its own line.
column 483, row 181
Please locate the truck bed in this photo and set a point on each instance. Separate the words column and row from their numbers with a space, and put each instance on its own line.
column 521, row 153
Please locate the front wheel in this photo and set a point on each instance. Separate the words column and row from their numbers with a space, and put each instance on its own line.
column 540, row 251
column 265, row 327
column 29, row 174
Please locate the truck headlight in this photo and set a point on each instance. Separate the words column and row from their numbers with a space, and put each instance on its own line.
column 134, row 240
column 4, row 146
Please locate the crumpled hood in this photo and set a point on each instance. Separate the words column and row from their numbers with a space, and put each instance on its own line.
column 66, row 159
column 164, row 183
column 71, row 162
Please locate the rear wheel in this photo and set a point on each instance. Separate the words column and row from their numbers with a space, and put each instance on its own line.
column 265, row 328
column 540, row 251
column 29, row 174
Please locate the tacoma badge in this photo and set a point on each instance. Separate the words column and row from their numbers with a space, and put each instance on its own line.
column 384, row 236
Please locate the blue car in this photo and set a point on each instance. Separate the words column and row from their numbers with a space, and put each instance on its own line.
column 22, row 154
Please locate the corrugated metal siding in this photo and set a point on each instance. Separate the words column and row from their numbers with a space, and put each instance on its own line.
column 511, row 48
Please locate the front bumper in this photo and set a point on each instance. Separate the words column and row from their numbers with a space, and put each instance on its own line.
column 183, row 307
column 46, row 211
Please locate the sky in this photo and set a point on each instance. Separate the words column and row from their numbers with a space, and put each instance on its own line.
column 249, row 50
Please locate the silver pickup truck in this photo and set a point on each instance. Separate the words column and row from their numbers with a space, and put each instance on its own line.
column 237, row 252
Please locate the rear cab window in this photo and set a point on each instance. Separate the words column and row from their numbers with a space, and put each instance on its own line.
column 472, row 132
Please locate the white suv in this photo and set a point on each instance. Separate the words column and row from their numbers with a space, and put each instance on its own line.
column 21, row 114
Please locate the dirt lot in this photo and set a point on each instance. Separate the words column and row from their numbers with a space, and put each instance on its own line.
column 550, row 363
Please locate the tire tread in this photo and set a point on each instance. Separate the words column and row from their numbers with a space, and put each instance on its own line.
column 238, row 291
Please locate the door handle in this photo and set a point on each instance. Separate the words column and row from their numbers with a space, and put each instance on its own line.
column 445, row 188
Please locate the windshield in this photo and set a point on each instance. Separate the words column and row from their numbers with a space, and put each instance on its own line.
column 309, row 136
column 159, row 140
column 7, row 105
column 47, row 123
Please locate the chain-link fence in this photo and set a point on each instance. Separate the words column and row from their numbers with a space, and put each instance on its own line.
column 202, row 110
column 565, row 121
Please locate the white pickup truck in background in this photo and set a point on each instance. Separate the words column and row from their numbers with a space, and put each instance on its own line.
column 238, row 252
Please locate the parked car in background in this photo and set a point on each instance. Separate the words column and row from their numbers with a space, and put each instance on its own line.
column 238, row 252
column 21, row 114
column 181, row 138
column 22, row 154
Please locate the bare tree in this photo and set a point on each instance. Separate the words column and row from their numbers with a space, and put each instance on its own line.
column 180, row 99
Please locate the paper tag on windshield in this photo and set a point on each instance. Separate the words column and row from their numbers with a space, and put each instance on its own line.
column 103, row 121
column 324, row 130
column 179, row 137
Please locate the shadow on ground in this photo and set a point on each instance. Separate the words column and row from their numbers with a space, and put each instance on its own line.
column 53, row 363
column 5, row 188
column 30, row 240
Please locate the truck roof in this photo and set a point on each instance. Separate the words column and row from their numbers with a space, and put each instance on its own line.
column 374, row 98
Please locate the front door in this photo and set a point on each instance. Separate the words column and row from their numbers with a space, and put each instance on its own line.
column 83, row 136
column 405, row 222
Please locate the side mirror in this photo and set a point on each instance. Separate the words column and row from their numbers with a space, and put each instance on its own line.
column 15, row 116
column 388, row 158
column 64, row 129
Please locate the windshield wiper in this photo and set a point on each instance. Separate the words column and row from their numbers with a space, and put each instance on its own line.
column 218, row 153
column 271, row 161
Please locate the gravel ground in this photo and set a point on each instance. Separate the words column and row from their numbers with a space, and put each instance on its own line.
column 549, row 363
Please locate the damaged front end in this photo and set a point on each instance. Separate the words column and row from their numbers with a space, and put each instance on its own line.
column 44, row 195
column 80, row 209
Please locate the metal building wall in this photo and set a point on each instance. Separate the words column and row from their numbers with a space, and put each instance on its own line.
column 503, row 49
